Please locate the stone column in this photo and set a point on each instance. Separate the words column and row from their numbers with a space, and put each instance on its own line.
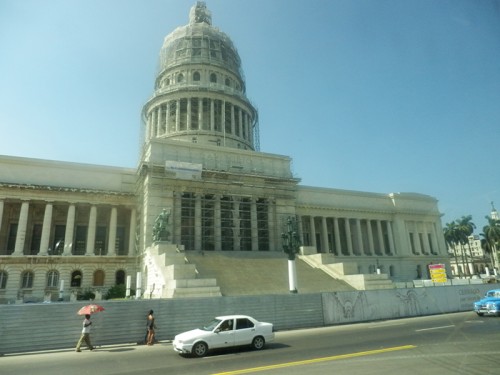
column 70, row 229
column 178, row 115
column 160, row 119
column 197, row 222
column 232, row 119
column 177, row 217
column 188, row 120
column 217, row 225
column 21, row 229
column 200, row 114
column 253, row 225
column 167, row 116
column 131, row 234
column 271, row 225
column 380, row 239
column 324, row 232
column 338, row 246
column 112, row 232
column 240, row 123
column 47, row 224
column 370, row 237
column 347, row 224
column 359, row 238
column 313, row 232
column 212, row 115
column 391, row 238
column 91, row 231
column 301, row 230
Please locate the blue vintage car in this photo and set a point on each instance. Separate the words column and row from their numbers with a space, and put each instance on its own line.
column 489, row 305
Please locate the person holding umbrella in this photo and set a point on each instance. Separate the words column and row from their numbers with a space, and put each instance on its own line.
column 85, row 334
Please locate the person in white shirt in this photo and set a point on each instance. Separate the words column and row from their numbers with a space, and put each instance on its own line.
column 85, row 334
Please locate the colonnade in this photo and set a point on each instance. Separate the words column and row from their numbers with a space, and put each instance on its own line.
column 61, row 235
column 367, row 237
column 194, row 113
column 220, row 222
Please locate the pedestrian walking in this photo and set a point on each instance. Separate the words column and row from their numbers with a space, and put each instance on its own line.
column 151, row 328
column 85, row 334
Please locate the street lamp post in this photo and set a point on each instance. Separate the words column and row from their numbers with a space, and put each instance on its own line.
column 291, row 245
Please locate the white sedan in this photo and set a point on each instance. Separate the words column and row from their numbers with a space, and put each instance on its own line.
column 224, row 332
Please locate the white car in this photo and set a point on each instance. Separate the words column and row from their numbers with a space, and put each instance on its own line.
column 224, row 332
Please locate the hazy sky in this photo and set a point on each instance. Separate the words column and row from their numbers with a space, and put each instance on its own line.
column 370, row 95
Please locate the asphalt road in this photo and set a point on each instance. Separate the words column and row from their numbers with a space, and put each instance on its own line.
column 461, row 343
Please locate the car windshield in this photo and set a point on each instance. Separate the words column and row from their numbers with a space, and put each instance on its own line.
column 210, row 326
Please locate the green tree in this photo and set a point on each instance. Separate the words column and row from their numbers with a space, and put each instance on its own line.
column 452, row 240
column 465, row 228
column 491, row 233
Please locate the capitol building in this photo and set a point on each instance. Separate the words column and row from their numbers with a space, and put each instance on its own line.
column 68, row 227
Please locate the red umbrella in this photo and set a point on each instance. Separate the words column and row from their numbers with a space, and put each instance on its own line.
column 90, row 309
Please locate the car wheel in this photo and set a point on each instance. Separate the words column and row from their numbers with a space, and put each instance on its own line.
column 200, row 349
column 480, row 314
column 258, row 342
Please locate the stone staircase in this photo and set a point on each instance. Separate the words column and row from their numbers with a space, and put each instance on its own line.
column 348, row 272
column 169, row 275
column 259, row 272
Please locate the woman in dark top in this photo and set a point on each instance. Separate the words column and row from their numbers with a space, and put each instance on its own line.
column 151, row 328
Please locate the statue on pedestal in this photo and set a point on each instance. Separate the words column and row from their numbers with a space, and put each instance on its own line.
column 160, row 232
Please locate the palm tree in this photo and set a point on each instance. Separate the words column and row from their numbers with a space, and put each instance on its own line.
column 486, row 246
column 491, row 233
column 451, row 238
column 466, row 228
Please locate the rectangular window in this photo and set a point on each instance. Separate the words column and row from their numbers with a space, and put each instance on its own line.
column 11, row 240
column 120, row 241
column 36, row 238
column 80, row 240
column 58, row 241
column 100, row 241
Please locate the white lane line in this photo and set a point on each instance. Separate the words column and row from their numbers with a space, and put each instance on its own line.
column 430, row 329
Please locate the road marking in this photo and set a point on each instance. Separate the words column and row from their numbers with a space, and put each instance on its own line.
column 430, row 329
column 316, row 360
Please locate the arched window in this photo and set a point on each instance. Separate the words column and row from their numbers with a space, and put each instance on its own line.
column 120, row 277
column 27, row 280
column 228, row 82
column 180, row 77
column 3, row 279
column 98, row 278
column 213, row 78
column 52, row 279
column 391, row 271
column 76, row 279
column 196, row 76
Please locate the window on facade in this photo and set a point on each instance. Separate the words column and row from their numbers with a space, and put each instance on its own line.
column 3, row 279
column 27, row 280
column 76, row 279
column 196, row 76
column 245, row 225
column 194, row 113
column 227, row 118
column 36, row 239
column 183, row 114
column 180, row 78
column 120, row 241
column 98, row 278
column 208, row 222
column 213, row 78
column 100, row 241
column 52, row 279
column 187, row 220
column 120, row 277
column 80, row 240
column 263, row 224
column 226, row 223
column 58, row 242
column 228, row 82
column 11, row 240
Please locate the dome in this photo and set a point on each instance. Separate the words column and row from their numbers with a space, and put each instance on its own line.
column 199, row 93
column 199, row 43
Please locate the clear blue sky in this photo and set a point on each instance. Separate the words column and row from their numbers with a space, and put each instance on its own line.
column 370, row 95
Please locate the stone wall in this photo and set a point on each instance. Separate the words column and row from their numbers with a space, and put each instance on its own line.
column 35, row 327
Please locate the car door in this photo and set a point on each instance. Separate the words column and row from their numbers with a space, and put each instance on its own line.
column 244, row 332
column 223, row 335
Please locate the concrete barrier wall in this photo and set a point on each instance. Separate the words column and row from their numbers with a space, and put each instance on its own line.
column 34, row 327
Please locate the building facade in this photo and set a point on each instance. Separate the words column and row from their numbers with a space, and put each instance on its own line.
column 67, row 227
